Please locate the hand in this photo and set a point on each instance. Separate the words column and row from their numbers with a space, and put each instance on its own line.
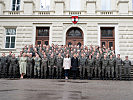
column 48, row 66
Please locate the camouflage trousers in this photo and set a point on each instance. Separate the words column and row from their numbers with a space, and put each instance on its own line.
column 43, row 71
column 51, row 71
column 29, row 69
column 107, row 71
column 82, row 71
column 118, row 71
column 37, row 70
column 127, row 71
column 90, row 71
column 12, row 70
column 112, row 72
column 3, row 70
column 97, row 71
column 58, row 71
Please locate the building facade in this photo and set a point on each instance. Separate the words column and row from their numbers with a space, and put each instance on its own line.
column 23, row 22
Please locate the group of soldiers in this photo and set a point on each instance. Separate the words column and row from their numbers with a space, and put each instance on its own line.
column 47, row 62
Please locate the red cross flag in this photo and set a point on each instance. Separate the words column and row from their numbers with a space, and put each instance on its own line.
column 75, row 19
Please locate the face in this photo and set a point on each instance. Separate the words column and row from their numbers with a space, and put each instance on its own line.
column 90, row 57
column 110, row 56
column 30, row 55
column 75, row 55
column 126, row 58
column 118, row 56
column 59, row 55
column 13, row 55
column 104, row 56
column 67, row 55
column 44, row 56
column 3, row 54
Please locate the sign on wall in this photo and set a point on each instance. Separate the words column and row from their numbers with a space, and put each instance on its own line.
column 75, row 19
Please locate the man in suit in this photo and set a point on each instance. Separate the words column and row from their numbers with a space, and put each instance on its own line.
column 75, row 65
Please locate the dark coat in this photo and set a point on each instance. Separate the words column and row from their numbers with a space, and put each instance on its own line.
column 74, row 63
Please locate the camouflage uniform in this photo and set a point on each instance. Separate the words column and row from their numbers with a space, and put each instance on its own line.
column 51, row 65
column 90, row 67
column 104, row 67
column 97, row 68
column 13, row 67
column 127, row 68
column 111, row 66
column 30, row 62
column 82, row 66
column 37, row 67
column 59, row 64
column 3, row 66
column 44, row 67
column 118, row 67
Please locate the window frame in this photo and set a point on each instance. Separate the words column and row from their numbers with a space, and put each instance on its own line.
column 44, row 9
column 10, row 38
column 16, row 1
column 105, row 3
column 77, row 9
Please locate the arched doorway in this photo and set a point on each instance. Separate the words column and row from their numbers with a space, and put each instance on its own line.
column 74, row 36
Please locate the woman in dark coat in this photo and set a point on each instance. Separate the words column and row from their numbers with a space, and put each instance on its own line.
column 74, row 64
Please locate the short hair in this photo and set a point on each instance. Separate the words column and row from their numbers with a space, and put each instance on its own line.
column 118, row 54
column 126, row 56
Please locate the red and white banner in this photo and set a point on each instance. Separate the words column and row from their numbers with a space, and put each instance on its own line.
column 75, row 19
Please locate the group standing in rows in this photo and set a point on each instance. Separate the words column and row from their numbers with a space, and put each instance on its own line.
column 70, row 61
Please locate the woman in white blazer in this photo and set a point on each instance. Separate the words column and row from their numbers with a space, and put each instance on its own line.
column 67, row 65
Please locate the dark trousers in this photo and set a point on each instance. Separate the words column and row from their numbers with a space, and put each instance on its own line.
column 127, row 71
column 3, row 70
column 29, row 70
column 66, row 72
column 59, row 71
column 43, row 71
column 74, row 74
column 12, row 71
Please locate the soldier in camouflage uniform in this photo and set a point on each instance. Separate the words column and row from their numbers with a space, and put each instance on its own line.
column 51, row 65
column 90, row 66
column 8, row 61
column 111, row 66
column 82, row 66
column 44, row 67
column 118, row 67
column 127, row 68
column 104, row 66
column 97, row 68
column 37, row 66
column 30, row 62
column 59, row 64
column 13, row 66
column 3, row 66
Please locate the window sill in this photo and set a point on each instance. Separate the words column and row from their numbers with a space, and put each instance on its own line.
column 8, row 49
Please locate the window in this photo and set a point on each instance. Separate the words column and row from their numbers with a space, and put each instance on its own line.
column 75, row 5
column 107, row 32
column 15, row 5
column 10, row 38
column 45, row 5
column 43, row 31
column 106, row 4
column 75, row 32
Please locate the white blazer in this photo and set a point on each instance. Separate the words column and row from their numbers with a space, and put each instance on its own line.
column 67, row 63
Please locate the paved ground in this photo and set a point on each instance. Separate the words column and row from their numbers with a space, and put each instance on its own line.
column 35, row 89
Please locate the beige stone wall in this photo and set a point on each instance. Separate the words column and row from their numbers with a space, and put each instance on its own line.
column 126, row 39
